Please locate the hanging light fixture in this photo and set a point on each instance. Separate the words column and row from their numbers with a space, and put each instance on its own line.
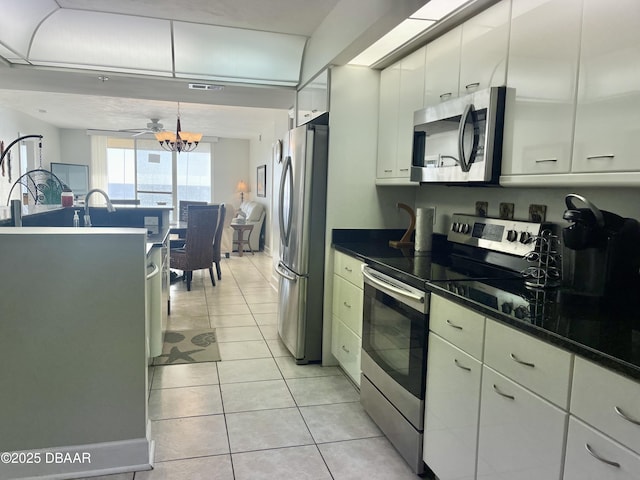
column 180, row 141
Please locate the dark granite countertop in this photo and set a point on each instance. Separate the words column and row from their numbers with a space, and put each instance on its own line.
column 603, row 330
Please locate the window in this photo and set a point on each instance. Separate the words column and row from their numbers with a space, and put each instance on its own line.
column 141, row 169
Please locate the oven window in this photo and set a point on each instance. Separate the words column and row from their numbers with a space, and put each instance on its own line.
column 394, row 336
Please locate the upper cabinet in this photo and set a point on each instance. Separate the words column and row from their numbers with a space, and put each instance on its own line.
column 442, row 73
column 608, row 105
column 313, row 99
column 543, row 69
column 401, row 93
column 470, row 57
column 483, row 50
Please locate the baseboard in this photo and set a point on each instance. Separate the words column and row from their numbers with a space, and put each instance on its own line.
column 81, row 461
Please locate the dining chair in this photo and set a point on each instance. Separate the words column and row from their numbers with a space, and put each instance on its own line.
column 218, row 239
column 197, row 254
column 183, row 206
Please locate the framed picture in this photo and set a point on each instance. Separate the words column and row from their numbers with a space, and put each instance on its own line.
column 262, row 181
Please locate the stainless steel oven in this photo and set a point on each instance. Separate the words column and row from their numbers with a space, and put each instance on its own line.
column 394, row 361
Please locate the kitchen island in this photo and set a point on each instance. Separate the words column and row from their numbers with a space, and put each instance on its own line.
column 73, row 335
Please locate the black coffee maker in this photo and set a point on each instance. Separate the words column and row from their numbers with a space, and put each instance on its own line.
column 602, row 250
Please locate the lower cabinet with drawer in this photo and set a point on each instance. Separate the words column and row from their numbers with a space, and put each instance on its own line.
column 451, row 410
column 346, row 330
column 521, row 435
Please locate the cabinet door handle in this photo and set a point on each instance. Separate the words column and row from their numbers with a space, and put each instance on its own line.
column 521, row 362
column 346, row 304
column 596, row 157
column 445, row 96
column 472, row 85
column 388, row 171
column 598, row 457
column 497, row 390
column 345, row 349
column 348, row 269
column 451, row 324
column 546, row 160
column 455, row 360
column 625, row 416
column 404, row 169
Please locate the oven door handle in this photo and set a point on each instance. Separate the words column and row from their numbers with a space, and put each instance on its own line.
column 389, row 286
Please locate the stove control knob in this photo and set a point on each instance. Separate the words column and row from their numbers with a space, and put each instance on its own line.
column 521, row 312
column 465, row 228
column 525, row 237
column 512, row 235
column 507, row 308
column 454, row 227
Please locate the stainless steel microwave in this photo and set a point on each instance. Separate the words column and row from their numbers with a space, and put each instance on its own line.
column 460, row 140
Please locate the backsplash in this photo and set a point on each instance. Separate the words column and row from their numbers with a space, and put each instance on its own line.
column 449, row 200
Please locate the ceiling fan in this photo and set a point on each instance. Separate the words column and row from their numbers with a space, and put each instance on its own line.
column 154, row 126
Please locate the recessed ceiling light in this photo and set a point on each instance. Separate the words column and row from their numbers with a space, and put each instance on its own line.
column 103, row 78
column 205, row 86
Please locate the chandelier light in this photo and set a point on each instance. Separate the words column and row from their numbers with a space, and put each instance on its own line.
column 180, row 141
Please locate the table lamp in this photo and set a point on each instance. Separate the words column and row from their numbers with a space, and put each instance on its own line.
column 243, row 188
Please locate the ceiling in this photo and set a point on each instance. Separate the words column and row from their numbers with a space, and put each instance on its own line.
column 150, row 50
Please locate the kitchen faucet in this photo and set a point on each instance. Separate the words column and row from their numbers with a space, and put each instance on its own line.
column 87, row 217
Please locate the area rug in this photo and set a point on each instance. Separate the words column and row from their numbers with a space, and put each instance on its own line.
column 188, row 346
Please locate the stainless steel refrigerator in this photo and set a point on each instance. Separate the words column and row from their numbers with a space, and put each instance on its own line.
column 301, row 217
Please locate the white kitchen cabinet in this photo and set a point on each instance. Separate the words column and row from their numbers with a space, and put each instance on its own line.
column 608, row 102
column 346, row 347
column 313, row 99
column 535, row 364
column 401, row 93
column 592, row 456
column 451, row 411
column 461, row 326
column 347, row 305
column 442, row 73
column 521, row 435
column 543, row 69
column 483, row 49
column 388, row 121
column 470, row 57
column 607, row 401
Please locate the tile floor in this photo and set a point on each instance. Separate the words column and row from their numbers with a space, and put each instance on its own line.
column 255, row 414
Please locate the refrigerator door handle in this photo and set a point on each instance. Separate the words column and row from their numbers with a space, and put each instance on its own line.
column 284, row 272
column 285, row 230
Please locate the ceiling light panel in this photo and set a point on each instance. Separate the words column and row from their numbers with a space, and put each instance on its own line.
column 438, row 9
column 118, row 42
column 19, row 20
column 397, row 37
column 241, row 55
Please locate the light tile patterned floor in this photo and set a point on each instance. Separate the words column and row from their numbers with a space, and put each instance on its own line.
column 256, row 415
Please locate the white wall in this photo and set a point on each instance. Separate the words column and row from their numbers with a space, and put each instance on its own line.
column 448, row 200
column 230, row 165
column 75, row 146
column 14, row 124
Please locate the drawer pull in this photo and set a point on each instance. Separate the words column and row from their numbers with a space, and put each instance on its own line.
column 461, row 366
column 346, row 304
column 451, row 324
column 472, row 85
column 388, row 171
column 345, row 349
column 348, row 269
column 597, row 157
column 521, row 362
column 598, row 457
column 545, row 160
column 625, row 416
column 497, row 390
column 445, row 96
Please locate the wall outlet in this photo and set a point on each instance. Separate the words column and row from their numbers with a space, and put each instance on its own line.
column 506, row 211
column 482, row 209
column 537, row 213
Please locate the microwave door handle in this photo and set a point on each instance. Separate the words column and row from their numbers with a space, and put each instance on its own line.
column 465, row 163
